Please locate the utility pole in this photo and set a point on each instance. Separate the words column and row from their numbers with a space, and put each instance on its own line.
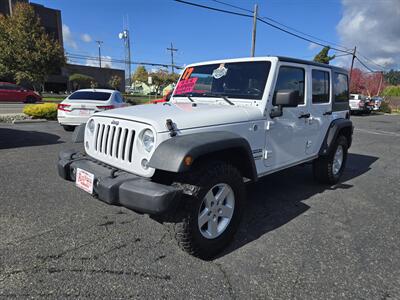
column 352, row 63
column 172, row 49
column 253, row 36
column 99, row 43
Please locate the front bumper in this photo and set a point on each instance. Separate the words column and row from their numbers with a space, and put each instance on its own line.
column 117, row 187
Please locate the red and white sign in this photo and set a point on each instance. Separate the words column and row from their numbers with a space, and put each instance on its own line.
column 185, row 86
column 84, row 180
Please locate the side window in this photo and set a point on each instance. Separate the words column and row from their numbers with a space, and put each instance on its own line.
column 291, row 78
column 320, row 86
column 340, row 87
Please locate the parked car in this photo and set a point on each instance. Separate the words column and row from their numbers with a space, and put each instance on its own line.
column 80, row 105
column 376, row 102
column 228, row 122
column 359, row 104
column 163, row 99
column 16, row 93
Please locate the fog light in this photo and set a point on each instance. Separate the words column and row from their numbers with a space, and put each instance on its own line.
column 145, row 164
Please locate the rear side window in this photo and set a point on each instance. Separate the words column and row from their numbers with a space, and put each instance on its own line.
column 291, row 78
column 100, row 96
column 320, row 86
column 340, row 87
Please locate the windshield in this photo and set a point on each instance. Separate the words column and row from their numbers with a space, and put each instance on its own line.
column 244, row 80
column 99, row 96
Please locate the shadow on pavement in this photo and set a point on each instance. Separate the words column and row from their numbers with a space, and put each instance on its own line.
column 13, row 138
column 277, row 199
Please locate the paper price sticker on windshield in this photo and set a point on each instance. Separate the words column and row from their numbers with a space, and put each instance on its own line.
column 185, row 86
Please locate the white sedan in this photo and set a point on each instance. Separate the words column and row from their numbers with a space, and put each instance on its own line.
column 80, row 105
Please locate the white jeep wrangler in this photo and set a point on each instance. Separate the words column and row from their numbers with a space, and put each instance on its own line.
column 185, row 162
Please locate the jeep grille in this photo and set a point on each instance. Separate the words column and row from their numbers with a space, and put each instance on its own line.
column 114, row 141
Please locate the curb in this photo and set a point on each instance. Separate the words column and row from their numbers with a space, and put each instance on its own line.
column 29, row 121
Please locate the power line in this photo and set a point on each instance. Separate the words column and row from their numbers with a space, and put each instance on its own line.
column 116, row 60
column 262, row 21
column 365, row 66
column 284, row 25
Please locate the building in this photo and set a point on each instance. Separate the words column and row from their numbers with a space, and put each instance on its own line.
column 51, row 20
column 60, row 83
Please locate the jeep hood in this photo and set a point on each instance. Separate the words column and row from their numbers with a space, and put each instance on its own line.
column 184, row 115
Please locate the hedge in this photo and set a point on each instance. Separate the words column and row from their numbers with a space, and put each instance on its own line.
column 41, row 111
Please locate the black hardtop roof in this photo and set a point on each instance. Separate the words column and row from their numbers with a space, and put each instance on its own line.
column 312, row 63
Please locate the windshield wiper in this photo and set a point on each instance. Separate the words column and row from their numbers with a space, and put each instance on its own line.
column 187, row 95
column 219, row 96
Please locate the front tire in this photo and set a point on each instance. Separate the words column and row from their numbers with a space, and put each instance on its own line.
column 329, row 169
column 210, row 217
column 68, row 127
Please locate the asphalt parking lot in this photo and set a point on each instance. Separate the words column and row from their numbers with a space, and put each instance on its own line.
column 298, row 240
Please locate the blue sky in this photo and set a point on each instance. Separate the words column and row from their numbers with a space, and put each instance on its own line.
column 198, row 34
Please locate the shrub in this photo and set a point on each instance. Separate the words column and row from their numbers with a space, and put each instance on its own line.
column 385, row 107
column 41, row 111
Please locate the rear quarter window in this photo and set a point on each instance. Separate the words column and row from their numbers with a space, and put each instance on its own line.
column 340, row 87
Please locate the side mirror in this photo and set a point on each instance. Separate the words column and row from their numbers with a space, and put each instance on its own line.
column 284, row 98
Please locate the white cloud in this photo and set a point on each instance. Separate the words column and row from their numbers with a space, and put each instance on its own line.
column 313, row 46
column 374, row 27
column 105, row 62
column 86, row 38
column 68, row 38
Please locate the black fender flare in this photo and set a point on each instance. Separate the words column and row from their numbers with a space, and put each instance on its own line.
column 170, row 154
column 334, row 128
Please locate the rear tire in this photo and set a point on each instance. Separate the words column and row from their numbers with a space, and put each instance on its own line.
column 208, row 220
column 30, row 99
column 329, row 169
column 68, row 127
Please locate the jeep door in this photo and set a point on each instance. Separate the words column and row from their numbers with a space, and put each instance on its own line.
column 319, row 106
column 286, row 135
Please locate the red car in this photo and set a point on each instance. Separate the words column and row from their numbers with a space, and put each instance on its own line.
column 163, row 99
column 15, row 93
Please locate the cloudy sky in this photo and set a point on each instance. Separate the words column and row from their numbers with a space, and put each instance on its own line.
column 371, row 25
column 374, row 27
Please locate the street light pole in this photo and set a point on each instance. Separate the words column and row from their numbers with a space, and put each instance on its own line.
column 99, row 43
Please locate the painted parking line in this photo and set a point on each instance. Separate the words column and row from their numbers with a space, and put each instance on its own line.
column 378, row 132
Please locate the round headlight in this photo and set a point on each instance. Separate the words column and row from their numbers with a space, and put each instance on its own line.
column 90, row 126
column 148, row 140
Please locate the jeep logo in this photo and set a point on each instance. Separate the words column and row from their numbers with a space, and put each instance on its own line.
column 114, row 122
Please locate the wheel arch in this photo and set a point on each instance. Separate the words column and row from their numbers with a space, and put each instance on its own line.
column 337, row 127
column 219, row 145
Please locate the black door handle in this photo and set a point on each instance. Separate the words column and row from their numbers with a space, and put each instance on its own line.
column 327, row 113
column 305, row 116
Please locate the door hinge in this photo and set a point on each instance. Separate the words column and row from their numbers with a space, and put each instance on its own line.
column 268, row 124
column 267, row 154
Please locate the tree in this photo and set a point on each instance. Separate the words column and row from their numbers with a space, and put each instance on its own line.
column 357, row 81
column 27, row 53
column 393, row 77
column 80, row 81
column 369, row 84
column 391, row 91
column 323, row 57
column 140, row 74
column 115, row 82
column 162, row 78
